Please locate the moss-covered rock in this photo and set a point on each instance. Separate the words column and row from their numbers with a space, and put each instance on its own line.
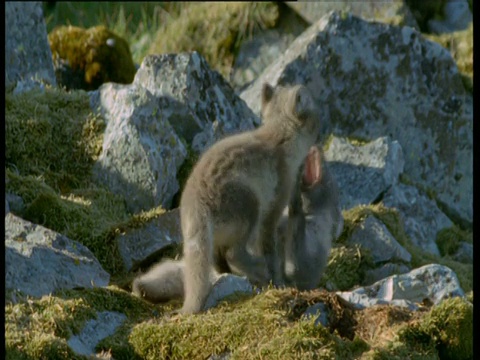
column 215, row 30
column 87, row 58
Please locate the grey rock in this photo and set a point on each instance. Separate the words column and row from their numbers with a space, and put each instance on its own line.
column 421, row 217
column 464, row 253
column 198, row 102
column 39, row 261
column 15, row 203
column 388, row 269
column 373, row 235
column 320, row 311
column 390, row 11
column 371, row 80
column 28, row 58
column 94, row 331
column 226, row 285
column 141, row 152
column 7, row 207
column 457, row 17
column 364, row 172
column 138, row 245
column 430, row 282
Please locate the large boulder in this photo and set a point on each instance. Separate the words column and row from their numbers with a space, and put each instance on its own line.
column 141, row 152
column 28, row 59
column 39, row 261
column 371, row 80
column 198, row 102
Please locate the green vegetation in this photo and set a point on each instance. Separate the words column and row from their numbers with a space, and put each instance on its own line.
column 215, row 30
column 460, row 45
column 94, row 56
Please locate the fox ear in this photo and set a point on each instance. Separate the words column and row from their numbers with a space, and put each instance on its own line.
column 312, row 173
column 267, row 93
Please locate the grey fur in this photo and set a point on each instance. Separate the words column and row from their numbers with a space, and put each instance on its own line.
column 309, row 224
column 234, row 198
column 314, row 221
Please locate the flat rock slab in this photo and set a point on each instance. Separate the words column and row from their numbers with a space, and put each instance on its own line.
column 94, row 331
column 430, row 282
column 39, row 261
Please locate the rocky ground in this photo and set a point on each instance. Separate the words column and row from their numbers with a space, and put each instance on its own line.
column 93, row 180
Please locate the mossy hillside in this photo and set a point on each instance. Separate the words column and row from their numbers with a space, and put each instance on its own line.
column 52, row 140
column 448, row 327
column 40, row 328
column 215, row 30
column 268, row 325
column 96, row 54
column 52, row 134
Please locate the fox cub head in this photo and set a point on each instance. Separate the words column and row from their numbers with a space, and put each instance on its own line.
column 290, row 106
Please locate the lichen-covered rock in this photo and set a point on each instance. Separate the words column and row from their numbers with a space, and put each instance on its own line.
column 372, row 80
column 185, row 81
column 432, row 283
column 94, row 331
column 136, row 245
column 141, row 152
column 373, row 235
column 226, row 285
column 39, row 261
column 87, row 58
column 421, row 217
column 364, row 172
column 390, row 11
column 28, row 59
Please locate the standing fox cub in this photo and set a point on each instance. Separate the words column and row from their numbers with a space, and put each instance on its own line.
column 308, row 226
column 234, row 198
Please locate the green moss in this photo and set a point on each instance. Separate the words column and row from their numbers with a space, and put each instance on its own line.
column 53, row 134
column 96, row 55
column 215, row 30
column 346, row 267
column 255, row 327
column 448, row 326
column 449, row 239
column 40, row 328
